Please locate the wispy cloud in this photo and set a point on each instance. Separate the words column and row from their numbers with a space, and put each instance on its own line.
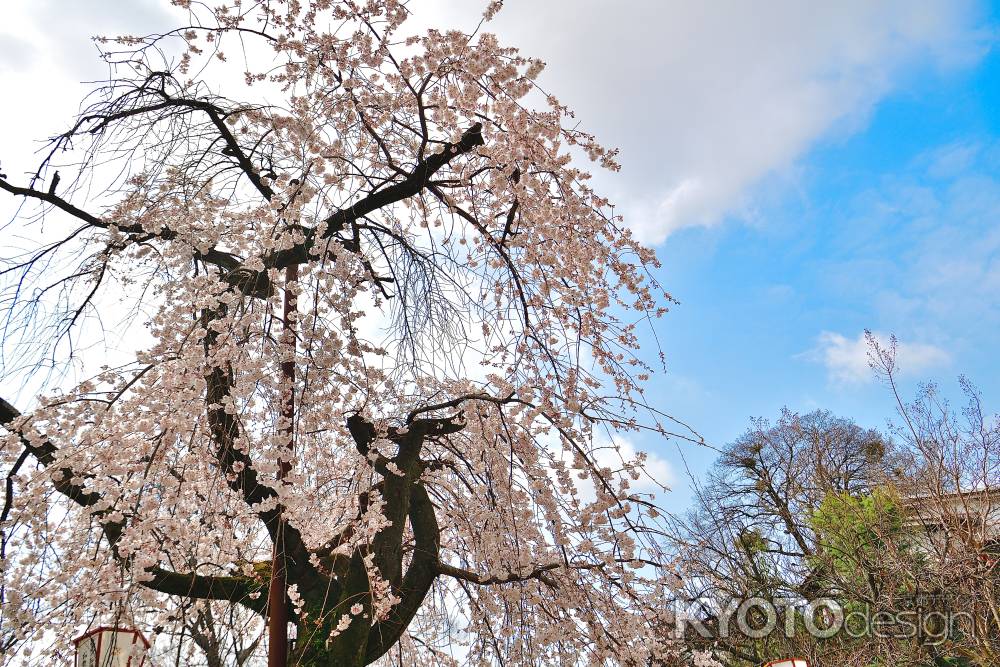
column 918, row 250
column 847, row 359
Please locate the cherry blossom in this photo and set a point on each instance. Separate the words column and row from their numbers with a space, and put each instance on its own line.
column 413, row 428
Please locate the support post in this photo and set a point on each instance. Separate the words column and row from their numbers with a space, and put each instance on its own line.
column 277, row 600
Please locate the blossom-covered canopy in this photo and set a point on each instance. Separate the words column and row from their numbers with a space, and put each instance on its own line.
column 424, row 428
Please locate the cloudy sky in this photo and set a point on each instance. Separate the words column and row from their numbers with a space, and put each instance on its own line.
column 805, row 170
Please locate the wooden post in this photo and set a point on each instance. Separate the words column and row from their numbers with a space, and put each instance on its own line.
column 277, row 601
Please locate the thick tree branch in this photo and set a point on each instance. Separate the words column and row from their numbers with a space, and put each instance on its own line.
column 216, row 115
column 45, row 453
column 240, row 590
column 247, row 282
column 257, row 283
column 474, row 578
column 57, row 201
column 416, row 181
column 419, row 576
column 237, row 465
column 102, row 120
column 458, row 400
column 236, row 589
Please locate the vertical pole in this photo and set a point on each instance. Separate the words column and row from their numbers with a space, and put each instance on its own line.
column 277, row 602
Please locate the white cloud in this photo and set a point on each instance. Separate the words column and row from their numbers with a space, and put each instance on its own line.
column 46, row 52
column 660, row 473
column 707, row 99
column 612, row 453
column 847, row 359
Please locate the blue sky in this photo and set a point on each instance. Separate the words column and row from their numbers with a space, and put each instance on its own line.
column 891, row 225
column 805, row 171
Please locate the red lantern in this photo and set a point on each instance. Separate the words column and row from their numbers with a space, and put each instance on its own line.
column 788, row 662
column 111, row 647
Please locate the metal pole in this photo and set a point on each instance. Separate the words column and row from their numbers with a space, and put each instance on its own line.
column 277, row 602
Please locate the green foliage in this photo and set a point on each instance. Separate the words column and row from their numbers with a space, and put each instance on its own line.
column 751, row 542
column 853, row 530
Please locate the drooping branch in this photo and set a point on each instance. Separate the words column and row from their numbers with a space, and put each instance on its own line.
column 250, row 283
column 240, row 474
column 257, row 283
column 192, row 585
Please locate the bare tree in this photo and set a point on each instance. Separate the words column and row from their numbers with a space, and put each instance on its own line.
column 751, row 532
column 899, row 528
column 951, row 491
